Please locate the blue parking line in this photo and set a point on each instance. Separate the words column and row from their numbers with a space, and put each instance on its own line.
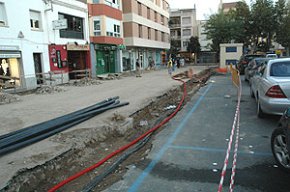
column 158, row 156
column 215, row 150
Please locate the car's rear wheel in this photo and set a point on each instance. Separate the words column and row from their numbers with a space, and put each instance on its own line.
column 279, row 149
column 260, row 113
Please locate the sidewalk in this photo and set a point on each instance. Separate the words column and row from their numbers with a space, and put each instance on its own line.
column 33, row 109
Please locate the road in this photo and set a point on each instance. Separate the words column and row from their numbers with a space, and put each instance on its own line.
column 188, row 154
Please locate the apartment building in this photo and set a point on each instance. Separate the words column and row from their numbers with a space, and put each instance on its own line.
column 146, row 32
column 183, row 25
column 42, row 36
column 202, row 37
column 106, row 35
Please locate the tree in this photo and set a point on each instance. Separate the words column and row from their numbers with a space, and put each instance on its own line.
column 194, row 46
column 283, row 30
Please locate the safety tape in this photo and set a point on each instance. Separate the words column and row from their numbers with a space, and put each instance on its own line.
column 235, row 127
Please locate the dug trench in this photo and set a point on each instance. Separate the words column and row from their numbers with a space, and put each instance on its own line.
column 96, row 147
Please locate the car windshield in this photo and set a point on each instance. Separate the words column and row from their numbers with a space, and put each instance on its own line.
column 280, row 69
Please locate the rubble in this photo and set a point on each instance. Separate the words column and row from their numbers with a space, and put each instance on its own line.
column 111, row 76
column 6, row 98
column 84, row 82
column 47, row 89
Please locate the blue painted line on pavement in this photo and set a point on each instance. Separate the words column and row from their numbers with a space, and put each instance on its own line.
column 205, row 149
column 158, row 156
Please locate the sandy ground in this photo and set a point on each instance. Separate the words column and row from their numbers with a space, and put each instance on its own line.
column 32, row 109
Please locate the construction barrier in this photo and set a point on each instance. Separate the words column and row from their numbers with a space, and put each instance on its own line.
column 235, row 131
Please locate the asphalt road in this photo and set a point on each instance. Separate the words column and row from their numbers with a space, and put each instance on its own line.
column 188, row 155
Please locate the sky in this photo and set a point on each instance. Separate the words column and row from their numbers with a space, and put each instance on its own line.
column 204, row 8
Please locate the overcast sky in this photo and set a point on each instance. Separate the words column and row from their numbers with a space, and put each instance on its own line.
column 204, row 8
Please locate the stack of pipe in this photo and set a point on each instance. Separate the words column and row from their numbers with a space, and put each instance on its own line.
column 29, row 135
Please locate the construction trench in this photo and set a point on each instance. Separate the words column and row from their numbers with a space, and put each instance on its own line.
column 97, row 146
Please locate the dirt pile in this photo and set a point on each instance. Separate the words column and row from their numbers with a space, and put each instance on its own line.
column 112, row 76
column 47, row 89
column 6, row 98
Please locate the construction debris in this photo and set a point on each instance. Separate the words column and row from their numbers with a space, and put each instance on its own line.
column 84, row 82
column 6, row 98
column 47, row 89
column 112, row 76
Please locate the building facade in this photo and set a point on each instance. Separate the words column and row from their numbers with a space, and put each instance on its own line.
column 106, row 35
column 48, row 35
column 183, row 25
column 146, row 32
column 202, row 37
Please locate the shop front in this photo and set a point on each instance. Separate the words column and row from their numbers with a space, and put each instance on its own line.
column 10, row 67
column 71, row 59
column 106, row 56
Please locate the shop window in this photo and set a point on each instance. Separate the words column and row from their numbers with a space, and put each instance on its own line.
column 97, row 27
column 35, row 20
column 75, row 28
column 3, row 17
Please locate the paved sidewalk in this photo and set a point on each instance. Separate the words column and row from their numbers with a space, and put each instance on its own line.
column 33, row 109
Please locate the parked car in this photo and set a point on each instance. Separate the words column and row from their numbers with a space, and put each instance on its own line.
column 244, row 61
column 271, row 87
column 280, row 142
column 271, row 55
column 253, row 66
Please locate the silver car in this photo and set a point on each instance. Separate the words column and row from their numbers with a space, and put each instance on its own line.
column 271, row 87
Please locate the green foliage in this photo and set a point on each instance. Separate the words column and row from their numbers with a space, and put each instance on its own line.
column 256, row 25
column 174, row 46
column 193, row 45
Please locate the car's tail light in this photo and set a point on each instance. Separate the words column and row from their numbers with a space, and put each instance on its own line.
column 275, row 92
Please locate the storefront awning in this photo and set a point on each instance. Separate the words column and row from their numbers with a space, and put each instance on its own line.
column 10, row 54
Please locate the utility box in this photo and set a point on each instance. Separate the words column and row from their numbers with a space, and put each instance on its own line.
column 230, row 53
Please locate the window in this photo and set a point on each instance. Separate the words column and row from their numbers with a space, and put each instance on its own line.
column 97, row 27
column 155, row 16
column 149, row 33
column 231, row 49
column 3, row 18
column 75, row 28
column 35, row 20
column 117, row 31
column 186, row 32
column 139, row 9
column 185, row 43
column 162, row 37
column 162, row 19
column 96, row 1
column 156, row 35
column 112, row 3
column 148, row 13
column 186, row 20
column 140, row 31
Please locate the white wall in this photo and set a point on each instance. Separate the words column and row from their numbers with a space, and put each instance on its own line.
column 224, row 56
column 37, row 41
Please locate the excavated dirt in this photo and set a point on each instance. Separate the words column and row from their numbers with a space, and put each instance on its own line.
column 96, row 147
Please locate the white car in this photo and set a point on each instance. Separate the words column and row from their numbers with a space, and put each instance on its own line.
column 271, row 56
column 271, row 87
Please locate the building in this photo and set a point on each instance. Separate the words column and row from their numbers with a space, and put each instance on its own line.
column 68, row 36
column 42, row 36
column 183, row 25
column 146, row 32
column 106, row 35
column 202, row 37
column 226, row 7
